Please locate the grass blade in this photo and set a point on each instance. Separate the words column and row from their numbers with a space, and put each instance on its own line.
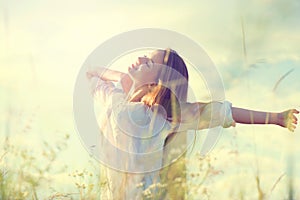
column 281, row 78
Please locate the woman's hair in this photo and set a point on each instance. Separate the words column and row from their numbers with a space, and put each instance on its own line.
column 172, row 86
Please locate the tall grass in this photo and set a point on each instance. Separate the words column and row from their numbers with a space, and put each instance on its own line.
column 30, row 177
column 23, row 173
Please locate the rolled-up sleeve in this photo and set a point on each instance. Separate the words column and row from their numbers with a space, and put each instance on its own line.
column 206, row 115
column 216, row 114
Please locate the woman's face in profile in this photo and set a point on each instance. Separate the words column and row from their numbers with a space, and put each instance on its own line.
column 146, row 70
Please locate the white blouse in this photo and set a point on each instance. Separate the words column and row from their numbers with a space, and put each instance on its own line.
column 140, row 131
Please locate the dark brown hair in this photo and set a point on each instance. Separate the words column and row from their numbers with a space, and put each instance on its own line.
column 172, row 86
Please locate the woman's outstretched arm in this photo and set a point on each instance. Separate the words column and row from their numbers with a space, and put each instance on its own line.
column 111, row 75
column 286, row 119
column 208, row 115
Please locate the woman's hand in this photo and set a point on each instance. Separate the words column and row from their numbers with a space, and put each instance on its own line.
column 91, row 74
column 287, row 119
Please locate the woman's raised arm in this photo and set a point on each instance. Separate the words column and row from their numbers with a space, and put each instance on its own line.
column 111, row 75
column 105, row 74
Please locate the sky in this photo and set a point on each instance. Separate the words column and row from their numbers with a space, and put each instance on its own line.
column 45, row 43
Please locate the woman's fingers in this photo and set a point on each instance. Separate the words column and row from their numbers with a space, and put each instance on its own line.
column 292, row 127
column 295, row 111
column 89, row 75
column 294, row 118
column 290, row 119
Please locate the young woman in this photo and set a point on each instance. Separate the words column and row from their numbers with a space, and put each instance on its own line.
column 150, row 109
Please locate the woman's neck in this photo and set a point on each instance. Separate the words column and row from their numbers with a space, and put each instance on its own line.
column 139, row 93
